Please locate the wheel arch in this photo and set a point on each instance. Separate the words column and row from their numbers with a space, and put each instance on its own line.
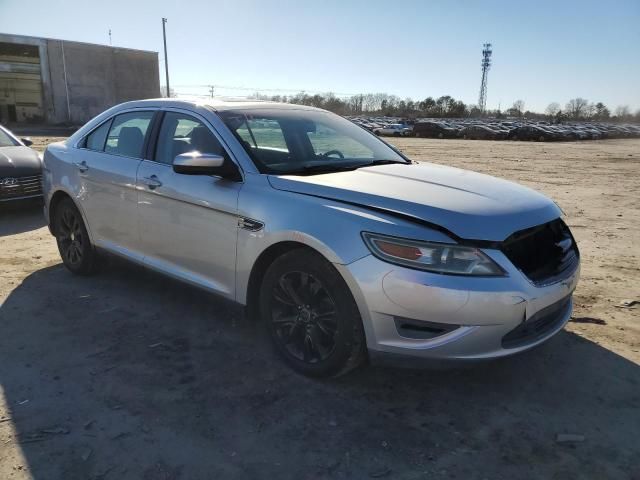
column 55, row 200
column 262, row 263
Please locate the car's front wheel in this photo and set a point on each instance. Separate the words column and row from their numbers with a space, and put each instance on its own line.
column 311, row 315
column 75, row 248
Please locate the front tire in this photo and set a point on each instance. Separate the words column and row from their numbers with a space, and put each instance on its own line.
column 311, row 316
column 76, row 250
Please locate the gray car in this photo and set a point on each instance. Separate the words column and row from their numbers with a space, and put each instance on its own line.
column 342, row 247
column 20, row 169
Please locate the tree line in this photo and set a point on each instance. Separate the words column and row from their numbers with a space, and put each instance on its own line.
column 448, row 107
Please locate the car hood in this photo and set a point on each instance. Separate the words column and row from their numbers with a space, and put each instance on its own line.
column 470, row 205
column 19, row 161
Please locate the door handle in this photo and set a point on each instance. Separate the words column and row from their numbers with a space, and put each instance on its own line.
column 82, row 166
column 152, row 182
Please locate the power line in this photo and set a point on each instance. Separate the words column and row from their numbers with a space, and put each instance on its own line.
column 255, row 89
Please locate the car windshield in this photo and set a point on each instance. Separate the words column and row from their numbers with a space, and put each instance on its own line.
column 302, row 141
column 6, row 140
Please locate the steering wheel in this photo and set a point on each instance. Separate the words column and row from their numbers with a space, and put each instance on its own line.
column 333, row 152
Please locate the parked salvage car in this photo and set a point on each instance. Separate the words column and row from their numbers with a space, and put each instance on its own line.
column 394, row 129
column 532, row 132
column 20, row 168
column 433, row 130
column 482, row 132
column 343, row 247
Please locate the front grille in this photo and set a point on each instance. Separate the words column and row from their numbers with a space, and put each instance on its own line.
column 539, row 325
column 545, row 254
column 22, row 187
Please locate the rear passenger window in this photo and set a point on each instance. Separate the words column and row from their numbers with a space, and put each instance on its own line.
column 95, row 140
column 181, row 133
column 126, row 136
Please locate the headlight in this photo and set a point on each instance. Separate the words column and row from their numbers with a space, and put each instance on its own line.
column 431, row 256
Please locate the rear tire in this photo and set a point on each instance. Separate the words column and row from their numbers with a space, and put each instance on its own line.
column 76, row 250
column 311, row 316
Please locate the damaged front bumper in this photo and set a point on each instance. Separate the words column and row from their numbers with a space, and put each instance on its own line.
column 414, row 314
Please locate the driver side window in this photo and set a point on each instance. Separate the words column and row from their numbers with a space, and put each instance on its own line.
column 182, row 133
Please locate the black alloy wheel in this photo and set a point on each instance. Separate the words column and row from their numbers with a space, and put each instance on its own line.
column 304, row 317
column 75, row 248
column 311, row 316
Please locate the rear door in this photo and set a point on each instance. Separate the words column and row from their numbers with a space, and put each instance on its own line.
column 107, row 167
column 188, row 223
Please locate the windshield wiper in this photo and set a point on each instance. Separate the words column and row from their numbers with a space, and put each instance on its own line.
column 325, row 168
column 383, row 162
column 333, row 167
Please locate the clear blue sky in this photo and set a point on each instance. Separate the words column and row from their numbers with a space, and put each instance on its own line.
column 544, row 50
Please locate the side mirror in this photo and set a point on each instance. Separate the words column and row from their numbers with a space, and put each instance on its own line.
column 27, row 141
column 196, row 163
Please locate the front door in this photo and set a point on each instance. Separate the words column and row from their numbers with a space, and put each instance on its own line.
column 188, row 223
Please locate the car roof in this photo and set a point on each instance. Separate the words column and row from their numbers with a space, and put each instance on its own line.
column 216, row 104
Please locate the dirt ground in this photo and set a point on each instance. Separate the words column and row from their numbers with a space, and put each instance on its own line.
column 129, row 375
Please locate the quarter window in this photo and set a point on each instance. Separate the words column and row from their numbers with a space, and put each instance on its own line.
column 181, row 133
column 127, row 132
column 95, row 140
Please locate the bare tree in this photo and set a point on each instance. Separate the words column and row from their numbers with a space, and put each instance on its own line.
column 602, row 112
column 427, row 105
column 576, row 108
column 623, row 112
column 552, row 109
column 518, row 106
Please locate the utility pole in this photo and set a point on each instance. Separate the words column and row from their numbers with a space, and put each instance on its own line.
column 166, row 61
column 486, row 64
column 110, row 37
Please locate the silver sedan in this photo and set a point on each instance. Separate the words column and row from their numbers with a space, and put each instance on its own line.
column 345, row 249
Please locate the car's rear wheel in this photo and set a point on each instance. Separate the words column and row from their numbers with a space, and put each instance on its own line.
column 75, row 248
column 311, row 315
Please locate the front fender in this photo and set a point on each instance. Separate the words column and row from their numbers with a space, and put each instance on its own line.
column 330, row 227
